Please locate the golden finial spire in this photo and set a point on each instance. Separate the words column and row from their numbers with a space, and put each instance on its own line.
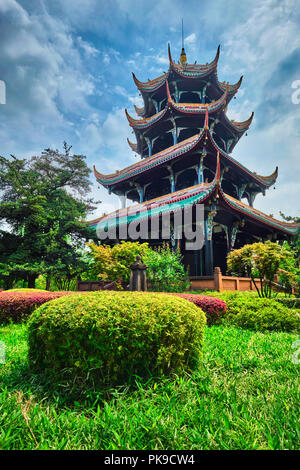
column 183, row 54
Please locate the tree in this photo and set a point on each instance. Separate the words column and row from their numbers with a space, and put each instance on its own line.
column 295, row 240
column 42, row 200
column 165, row 268
column 289, row 272
column 113, row 263
column 259, row 260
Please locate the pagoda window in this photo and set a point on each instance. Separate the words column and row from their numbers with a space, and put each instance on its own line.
column 190, row 97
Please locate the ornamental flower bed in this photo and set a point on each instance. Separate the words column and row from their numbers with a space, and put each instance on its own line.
column 16, row 306
column 214, row 308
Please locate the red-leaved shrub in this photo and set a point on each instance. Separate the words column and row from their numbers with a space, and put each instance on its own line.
column 16, row 306
column 214, row 308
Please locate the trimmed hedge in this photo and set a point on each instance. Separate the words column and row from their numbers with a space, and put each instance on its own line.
column 108, row 337
column 246, row 310
column 214, row 308
column 289, row 302
column 18, row 305
column 26, row 289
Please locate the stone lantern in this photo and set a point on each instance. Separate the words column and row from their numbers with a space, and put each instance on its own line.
column 138, row 277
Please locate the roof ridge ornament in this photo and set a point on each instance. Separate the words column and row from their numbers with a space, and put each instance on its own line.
column 168, row 93
column 218, row 170
column 243, row 123
column 206, row 120
column 169, row 54
column 183, row 60
column 216, row 59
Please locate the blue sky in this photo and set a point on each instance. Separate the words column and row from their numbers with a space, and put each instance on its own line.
column 67, row 67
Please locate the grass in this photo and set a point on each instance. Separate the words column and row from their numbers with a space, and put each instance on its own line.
column 244, row 396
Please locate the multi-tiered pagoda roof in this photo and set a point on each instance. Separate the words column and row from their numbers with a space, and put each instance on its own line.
column 182, row 135
column 259, row 222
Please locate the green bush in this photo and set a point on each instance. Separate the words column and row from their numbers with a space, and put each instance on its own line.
column 108, row 337
column 289, row 302
column 246, row 310
column 17, row 305
column 166, row 271
column 113, row 263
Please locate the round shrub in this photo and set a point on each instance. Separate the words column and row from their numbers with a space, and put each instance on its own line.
column 18, row 305
column 108, row 337
column 214, row 308
column 292, row 302
column 26, row 289
column 260, row 314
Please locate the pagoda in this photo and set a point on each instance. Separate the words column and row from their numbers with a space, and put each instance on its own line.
column 185, row 141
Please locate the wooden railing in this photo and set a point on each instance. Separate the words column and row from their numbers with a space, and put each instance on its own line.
column 216, row 282
column 219, row 283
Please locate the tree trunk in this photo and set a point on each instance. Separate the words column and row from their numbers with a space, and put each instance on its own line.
column 48, row 283
column 31, row 281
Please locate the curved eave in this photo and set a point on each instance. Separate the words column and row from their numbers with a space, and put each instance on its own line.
column 232, row 89
column 168, row 203
column 189, row 197
column 285, row 227
column 140, row 111
column 133, row 146
column 145, row 122
column 151, row 85
column 197, row 108
column 269, row 180
column 187, row 71
column 193, row 70
column 239, row 127
column 185, row 108
column 175, row 151
column 150, row 162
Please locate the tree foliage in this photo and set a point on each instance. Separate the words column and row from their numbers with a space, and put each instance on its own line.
column 42, row 200
column 165, row 268
column 113, row 263
column 295, row 240
column 259, row 260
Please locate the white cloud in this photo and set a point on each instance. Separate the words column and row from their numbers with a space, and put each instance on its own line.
column 87, row 47
column 190, row 39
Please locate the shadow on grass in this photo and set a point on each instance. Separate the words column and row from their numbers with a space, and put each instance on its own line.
column 73, row 392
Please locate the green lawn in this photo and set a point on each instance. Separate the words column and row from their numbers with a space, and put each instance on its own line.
column 245, row 396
